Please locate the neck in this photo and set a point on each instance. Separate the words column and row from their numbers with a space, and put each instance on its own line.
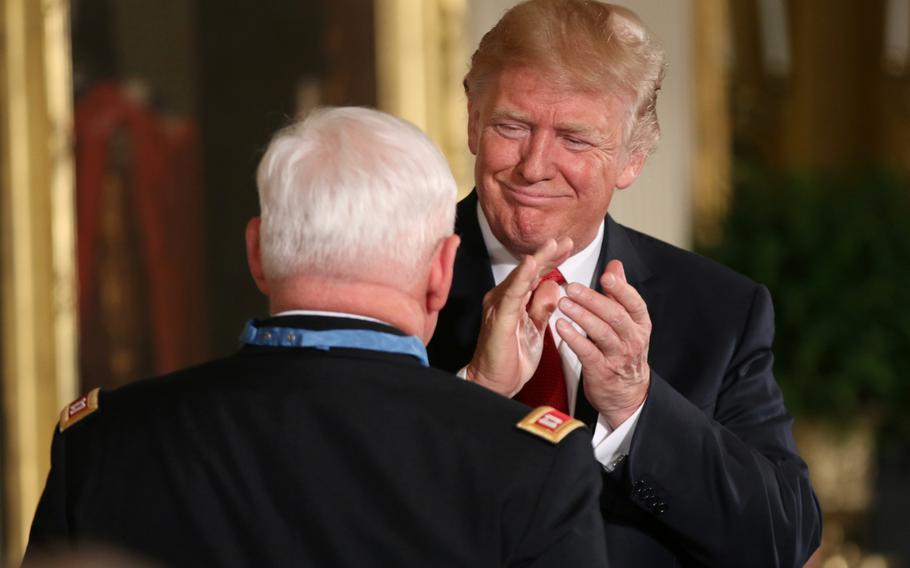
column 397, row 307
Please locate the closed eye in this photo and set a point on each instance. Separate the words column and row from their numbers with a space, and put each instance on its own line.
column 576, row 144
column 511, row 130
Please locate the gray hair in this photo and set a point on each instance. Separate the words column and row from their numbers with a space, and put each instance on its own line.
column 350, row 191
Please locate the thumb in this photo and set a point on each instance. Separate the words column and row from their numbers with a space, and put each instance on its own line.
column 543, row 303
column 614, row 272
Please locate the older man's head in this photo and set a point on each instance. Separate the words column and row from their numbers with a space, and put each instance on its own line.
column 562, row 111
column 358, row 210
column 353, row 193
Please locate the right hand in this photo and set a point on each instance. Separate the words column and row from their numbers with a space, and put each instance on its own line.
column 512, row 330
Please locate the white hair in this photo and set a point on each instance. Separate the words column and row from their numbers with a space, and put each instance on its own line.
column 350, row 191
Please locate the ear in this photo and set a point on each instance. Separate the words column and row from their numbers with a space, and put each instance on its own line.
column 473, row 121
column 253, row 256
column 439, row 281
column 629, row 174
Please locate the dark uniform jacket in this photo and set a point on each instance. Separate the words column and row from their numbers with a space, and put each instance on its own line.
column 713, row 476
column 305, row 457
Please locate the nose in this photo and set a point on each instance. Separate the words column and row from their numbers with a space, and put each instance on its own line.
column 536, row 163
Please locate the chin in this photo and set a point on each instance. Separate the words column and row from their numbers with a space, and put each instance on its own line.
column 526, row 244
column 529, row 230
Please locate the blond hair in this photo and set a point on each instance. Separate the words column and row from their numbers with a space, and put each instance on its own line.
column 579, row 44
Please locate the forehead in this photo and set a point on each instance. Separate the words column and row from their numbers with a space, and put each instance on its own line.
column 529, row 94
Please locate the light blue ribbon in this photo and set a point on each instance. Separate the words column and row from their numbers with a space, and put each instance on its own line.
column 334, row 338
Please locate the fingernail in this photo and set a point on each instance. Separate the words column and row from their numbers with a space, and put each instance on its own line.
column 567, row 305
column 573, row 289
column 610, row 280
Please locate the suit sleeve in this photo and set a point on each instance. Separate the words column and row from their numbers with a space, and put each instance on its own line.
column 566, row 527
column 50, row 525
column 730, row 489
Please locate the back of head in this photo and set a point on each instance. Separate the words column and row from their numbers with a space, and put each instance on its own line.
column 352, row 193
column 579, row 45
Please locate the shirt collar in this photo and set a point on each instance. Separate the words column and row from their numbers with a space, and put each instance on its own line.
column 328, row 314
column 579, row 267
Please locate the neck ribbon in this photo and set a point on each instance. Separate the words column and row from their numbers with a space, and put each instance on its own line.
column 274, row 336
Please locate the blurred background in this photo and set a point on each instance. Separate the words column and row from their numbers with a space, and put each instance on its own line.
column 131, row 130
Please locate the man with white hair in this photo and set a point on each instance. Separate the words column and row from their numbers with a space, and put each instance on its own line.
column 327, row 440
column 665, row 354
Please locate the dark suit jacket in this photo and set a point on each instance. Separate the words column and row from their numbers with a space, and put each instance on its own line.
column 304, row 457
column 713, row 476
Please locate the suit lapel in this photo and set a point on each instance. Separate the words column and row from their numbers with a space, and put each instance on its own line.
column 473, row 275
column 617, row 245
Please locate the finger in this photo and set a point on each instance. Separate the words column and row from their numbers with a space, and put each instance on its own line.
column 616, row 268
column 606, row 309
column 614, row 283
column 588, row 354
column 552, row 254
column 595, row 302
column 599, row 331
column 612, row 274
column 516, row 288
column 543, row 303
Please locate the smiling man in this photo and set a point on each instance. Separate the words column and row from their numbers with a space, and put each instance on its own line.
column 665, row 354
column 548, row 159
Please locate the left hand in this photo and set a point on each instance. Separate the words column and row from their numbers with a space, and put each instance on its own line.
column 614, row 355
column 511, row 333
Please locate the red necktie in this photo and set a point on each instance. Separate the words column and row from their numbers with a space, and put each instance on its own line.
column 548, row 385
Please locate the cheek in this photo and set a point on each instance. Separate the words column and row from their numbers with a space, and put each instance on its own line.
column 591, row 181
column 497, row 154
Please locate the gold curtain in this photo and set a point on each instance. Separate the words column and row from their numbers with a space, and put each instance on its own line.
column 37, row 305
column 421, row 59
column 712, row 168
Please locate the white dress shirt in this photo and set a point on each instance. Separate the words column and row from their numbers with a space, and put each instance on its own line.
column 328, row 314
column 610, row 446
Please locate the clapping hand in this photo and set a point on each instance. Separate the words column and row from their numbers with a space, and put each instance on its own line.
column 613, row 350
column 515, row 315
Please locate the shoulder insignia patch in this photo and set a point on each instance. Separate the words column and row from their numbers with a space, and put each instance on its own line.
column 79, row 409
column 549, row 424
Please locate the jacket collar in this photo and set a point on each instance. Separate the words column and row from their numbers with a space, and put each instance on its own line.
column 474, row 261
column 473, row 273
column 619, row 246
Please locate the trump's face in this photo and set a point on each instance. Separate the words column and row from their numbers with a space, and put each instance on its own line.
column 547, row 159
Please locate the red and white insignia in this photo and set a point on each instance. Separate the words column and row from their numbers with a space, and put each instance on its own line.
column 549, row 424
column 79, row 409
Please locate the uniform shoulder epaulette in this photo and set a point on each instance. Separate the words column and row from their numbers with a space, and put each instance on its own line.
column 79, row 409
column 549, row 424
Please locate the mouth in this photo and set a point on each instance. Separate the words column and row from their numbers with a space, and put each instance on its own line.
column 531, row 196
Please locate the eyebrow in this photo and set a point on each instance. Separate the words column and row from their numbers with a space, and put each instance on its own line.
column 510, row 115
column 575, row 128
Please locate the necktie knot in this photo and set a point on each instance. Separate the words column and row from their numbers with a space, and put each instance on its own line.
column 554, row 275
